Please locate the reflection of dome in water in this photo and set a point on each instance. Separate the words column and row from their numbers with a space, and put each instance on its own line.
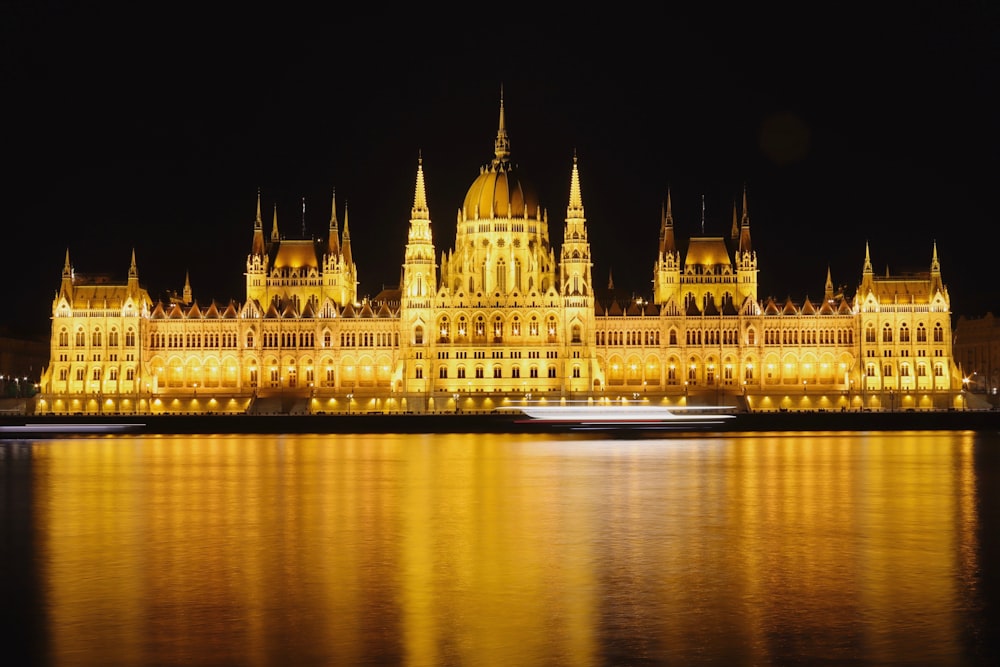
column 498, row 192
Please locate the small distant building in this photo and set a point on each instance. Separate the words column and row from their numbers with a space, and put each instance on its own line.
column 977, row 352
column 23, row 360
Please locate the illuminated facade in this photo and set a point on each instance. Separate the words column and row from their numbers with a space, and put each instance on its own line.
column 502, row 316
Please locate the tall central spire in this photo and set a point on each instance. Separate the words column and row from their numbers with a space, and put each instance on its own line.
column 575, row 208
column 501, row 148
column 420, row 211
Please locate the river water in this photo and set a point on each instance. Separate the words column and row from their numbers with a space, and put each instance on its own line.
column 512, row 550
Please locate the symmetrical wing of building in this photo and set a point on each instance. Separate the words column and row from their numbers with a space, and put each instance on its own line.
column 503, row 315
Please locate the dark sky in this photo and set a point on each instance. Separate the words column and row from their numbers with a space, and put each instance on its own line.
column 131, row 127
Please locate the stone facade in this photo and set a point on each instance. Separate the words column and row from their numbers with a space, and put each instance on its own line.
column 502, row 316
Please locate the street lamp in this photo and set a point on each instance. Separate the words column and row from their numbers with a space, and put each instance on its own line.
column 350, row 397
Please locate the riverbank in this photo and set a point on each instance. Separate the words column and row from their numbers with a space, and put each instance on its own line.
column 36, row 426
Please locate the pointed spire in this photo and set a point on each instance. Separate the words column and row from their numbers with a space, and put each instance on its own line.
column 745, row 245
column 575, row 209
column 274, row 225
column 257, row 245
column 828, row 291
column 501, row 148
column 611, row 280
column 304, row 218
column 348, row 259
column 257, row 223
column 186, row 294
column 667, row 242
column 868, row 260
column 67, row 277
column 333, row 240
column 703, row 215
column 936, row 284
column 734, row 232
column 133, row 275
column 420, row 211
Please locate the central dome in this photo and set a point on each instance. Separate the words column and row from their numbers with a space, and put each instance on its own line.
column 499, row 193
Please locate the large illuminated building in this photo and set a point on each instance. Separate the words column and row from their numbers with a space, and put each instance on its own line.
column 503, row 316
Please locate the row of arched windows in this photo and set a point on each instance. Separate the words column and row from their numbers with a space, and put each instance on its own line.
column 111, row 374
column 480, row 372
column 96, row 338
column 905, row 369
column 904, row 333
column 808, row 337
column 628, row 337
column 479, row 329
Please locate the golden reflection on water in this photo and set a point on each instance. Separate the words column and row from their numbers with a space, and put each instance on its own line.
column 501, row 549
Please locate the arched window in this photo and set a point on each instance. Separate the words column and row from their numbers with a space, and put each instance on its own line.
column 938, row 333
column 63, row 338
column 81, row 338
column 887, row 334
column 501, row 276
column 904, row 333
column 418, row 335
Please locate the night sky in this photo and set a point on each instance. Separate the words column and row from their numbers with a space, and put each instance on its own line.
column 128, row 128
